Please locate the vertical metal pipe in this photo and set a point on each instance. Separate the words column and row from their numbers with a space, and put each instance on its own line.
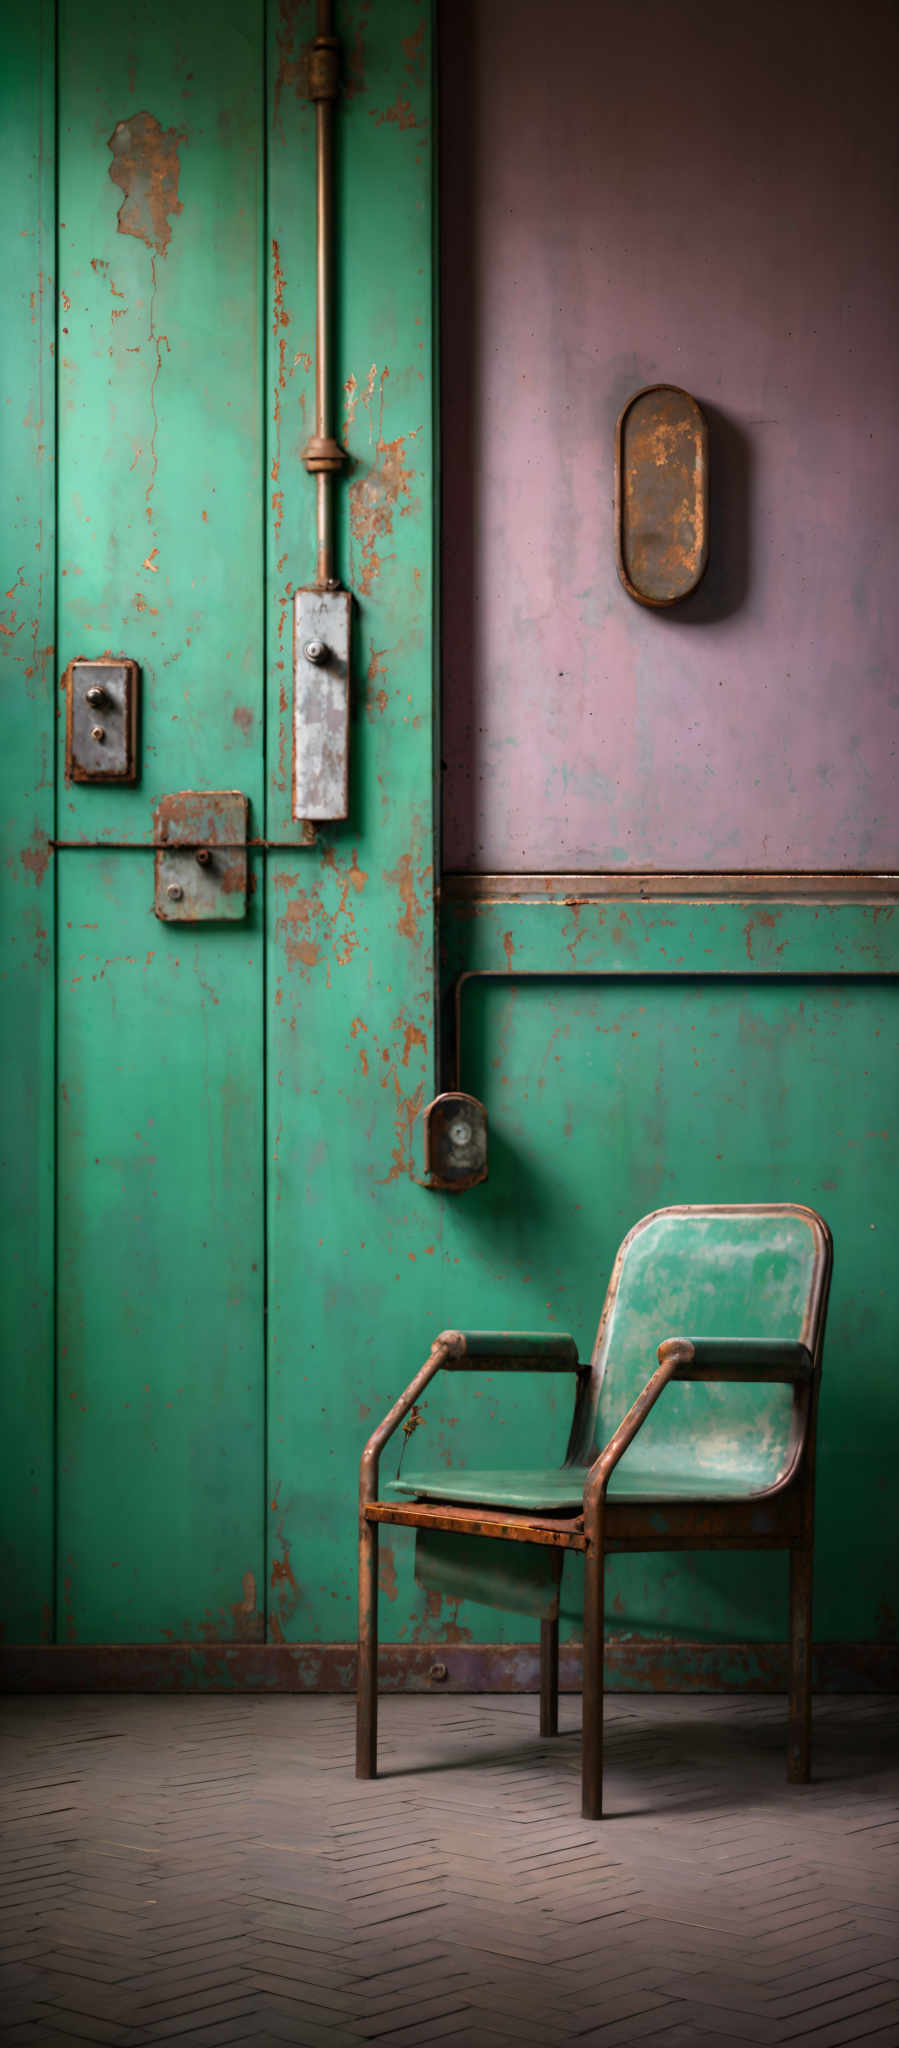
column 322, row 455
column 324, row 172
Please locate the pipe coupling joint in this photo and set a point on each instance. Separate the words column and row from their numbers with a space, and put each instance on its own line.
column 324, row 68
column 322, row 452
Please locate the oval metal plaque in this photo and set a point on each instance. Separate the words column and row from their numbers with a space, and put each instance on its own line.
column 661, row 495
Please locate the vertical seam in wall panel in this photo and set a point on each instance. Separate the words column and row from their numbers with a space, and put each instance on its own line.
column 263, row 853
column 436, row 556
column 52, row 386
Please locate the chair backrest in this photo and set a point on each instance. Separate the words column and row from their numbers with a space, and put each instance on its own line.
column 759, row 1271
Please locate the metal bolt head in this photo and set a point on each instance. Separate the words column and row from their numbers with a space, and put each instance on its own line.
column 203, row 856
column 96, row 694
column 174, row 892
column 315, row 650
column 98, row 732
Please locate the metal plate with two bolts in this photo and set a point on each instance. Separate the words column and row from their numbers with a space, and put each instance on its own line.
column 201, row 856
column 101, row 720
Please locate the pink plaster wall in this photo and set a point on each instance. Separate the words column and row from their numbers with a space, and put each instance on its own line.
column 697, row 194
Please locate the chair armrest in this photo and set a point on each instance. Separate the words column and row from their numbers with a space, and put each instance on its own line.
column 738, row 1359
column 461, row 1351
column 513, row 1351
column 695, row 1358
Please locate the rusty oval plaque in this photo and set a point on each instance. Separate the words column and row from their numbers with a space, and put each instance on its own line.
column 661, row 495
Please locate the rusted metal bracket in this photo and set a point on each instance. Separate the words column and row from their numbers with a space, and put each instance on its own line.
column 101, row 719
column 201, row 856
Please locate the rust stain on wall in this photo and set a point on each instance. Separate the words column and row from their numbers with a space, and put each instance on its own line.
column 414, row 51
column 280, row 320
column 292, row 69
column 412, row 1035
column 146, row 167
column 354, row 52
column 307, row 929
column 35, row 858
column 285, row 1591
column 383, row 1064
column 375, row 699
column 431, row 1629
column 403, row 879
column 375, row 495
column 248, row 1622
column 387, row 1571
column 402, row 113
column 761, row 917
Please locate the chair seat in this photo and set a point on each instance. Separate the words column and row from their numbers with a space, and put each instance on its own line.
column 561, row 1490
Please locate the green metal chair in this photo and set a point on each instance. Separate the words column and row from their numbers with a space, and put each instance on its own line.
column 732, row 1301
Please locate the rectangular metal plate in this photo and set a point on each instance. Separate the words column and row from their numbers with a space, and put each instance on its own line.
column 321, row 704
column 101, row 736
column 201, row 856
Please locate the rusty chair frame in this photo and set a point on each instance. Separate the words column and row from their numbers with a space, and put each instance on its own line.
column 779, row 1518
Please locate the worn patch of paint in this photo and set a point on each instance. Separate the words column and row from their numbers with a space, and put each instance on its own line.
column 35, row 858
column 375, row 495
column 375, row 699
column 249, row 1624
column 431, row 1629
column 146, row 168
column 307, row 929
column 414, row 51
column 402, row 114
column 387, row 1571
column 411, row 907
column 285, row 1591
column 292, row 71
column 354, row 52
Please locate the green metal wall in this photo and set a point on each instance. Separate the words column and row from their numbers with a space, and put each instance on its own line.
column 221, row 1266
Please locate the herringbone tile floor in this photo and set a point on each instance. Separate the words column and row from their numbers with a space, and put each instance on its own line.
column 205, row 1870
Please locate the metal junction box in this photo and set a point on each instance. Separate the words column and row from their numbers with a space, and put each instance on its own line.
column 101, row 720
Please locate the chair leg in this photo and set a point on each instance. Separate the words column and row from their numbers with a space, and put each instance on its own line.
column 800, row 1728
column 367, row 1668
column 549, row 1676
column 594, row 1618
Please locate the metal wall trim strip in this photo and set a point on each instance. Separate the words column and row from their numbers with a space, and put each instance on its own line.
column 829, row 886
column 641, row 1666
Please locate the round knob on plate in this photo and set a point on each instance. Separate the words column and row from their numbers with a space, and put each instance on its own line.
column 98, row 732
column 174, row 892
column 203, row 856
column 96, row 694
column 315, row 650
